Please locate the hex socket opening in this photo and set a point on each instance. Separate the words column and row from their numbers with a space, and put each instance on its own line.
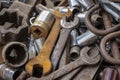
column 37, row 71
column 15, row 54
column 74, row 56
column 37, row 32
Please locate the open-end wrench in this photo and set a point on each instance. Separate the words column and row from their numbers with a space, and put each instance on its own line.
column 84, row 59
column 41, row 64
column 88, row 72
column 67, row 27
column 77, row 73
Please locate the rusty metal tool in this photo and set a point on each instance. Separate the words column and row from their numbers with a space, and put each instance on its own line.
column 42, row 62
column 67, row 27
column 84, row 59
column 112, row 8
column 42, row 24
column 88, row 72
column 17, row 15
column 15, row 54
column 92, row 28
column 104, row 53
column 114, row 46
column 77, row 73
column 65, row 57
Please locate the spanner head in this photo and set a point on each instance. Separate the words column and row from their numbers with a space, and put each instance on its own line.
column 87, row 59
column 39, row 66
column 70, row 24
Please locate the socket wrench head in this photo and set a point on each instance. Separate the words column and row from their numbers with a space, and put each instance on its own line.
column 15, row 54
column 42, row 24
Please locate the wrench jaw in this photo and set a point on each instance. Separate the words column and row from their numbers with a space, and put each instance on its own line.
column 70, row 24
column 89, row 60
column 36, row 66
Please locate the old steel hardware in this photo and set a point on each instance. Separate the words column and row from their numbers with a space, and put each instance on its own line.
column 64, row 33
column 42, row 24
column 91, row 27
column 87, row 4
column 112, row 8
column 15, row 54
column 88, row 72
column 42, row 61
column 84, row 59
column 87, row 38
column 8, row 73
column 114, row 46
column 31, row 50
column 75, row 50
column 104, row 53
column 13, row 22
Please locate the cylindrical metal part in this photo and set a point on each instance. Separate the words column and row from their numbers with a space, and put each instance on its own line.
column 42, row 24
column 8, row 73
column 74, row 53
column 32, row 50
column 81, row 17
column 87, row 4
column 86, row 39
column 73, row 3
column 15, row 54
column 74, row 33
column 94, row 18
column 39, row 44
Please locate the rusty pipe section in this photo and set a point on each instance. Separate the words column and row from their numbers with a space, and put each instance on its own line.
column 86, row 39
column 15, row 54
column 42, row 24
column 104, row 53
column 75, row 49
column 91, row 27
column 8, row 73
column 110, row 74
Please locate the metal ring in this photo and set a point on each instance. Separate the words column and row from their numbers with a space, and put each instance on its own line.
column 104, row 53
column 91, row 27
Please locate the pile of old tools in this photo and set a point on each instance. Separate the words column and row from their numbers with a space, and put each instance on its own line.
column 59, row 39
